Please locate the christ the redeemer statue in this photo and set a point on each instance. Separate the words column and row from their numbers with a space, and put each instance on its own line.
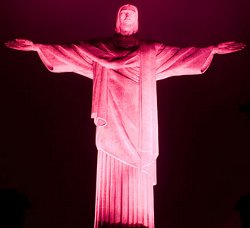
column 124, row 70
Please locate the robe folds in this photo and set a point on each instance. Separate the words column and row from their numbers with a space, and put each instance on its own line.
column 124, row 109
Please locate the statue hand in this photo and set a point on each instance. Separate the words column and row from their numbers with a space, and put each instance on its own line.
column 22, row 45
column 228, row 47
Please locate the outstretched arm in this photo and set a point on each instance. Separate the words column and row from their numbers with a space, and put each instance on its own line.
column 22, row 45
column 228, row 47
column 174, row 61
column 57, row 58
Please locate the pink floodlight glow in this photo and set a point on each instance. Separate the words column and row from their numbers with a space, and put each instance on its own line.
column 124, row 70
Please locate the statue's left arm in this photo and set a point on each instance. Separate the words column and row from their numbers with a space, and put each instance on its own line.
column 174, row 61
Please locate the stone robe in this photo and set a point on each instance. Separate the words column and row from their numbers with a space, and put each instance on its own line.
column 124, row 107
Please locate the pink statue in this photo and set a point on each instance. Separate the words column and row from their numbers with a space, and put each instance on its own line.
column 124, row 70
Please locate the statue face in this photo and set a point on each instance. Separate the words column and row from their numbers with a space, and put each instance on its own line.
column 127, row 20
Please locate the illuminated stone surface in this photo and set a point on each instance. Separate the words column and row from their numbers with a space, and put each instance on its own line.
column 124, row 70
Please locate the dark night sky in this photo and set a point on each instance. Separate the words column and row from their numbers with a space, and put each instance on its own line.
column 48, row 152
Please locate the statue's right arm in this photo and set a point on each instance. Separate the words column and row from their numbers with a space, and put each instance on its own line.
column 57, row 58
column 22, row 45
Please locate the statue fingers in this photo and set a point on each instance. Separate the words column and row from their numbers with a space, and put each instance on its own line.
column 24, row 41
column 237, row 47
column 11, row 44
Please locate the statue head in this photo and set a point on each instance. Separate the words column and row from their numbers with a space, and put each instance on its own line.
column 127, row 20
